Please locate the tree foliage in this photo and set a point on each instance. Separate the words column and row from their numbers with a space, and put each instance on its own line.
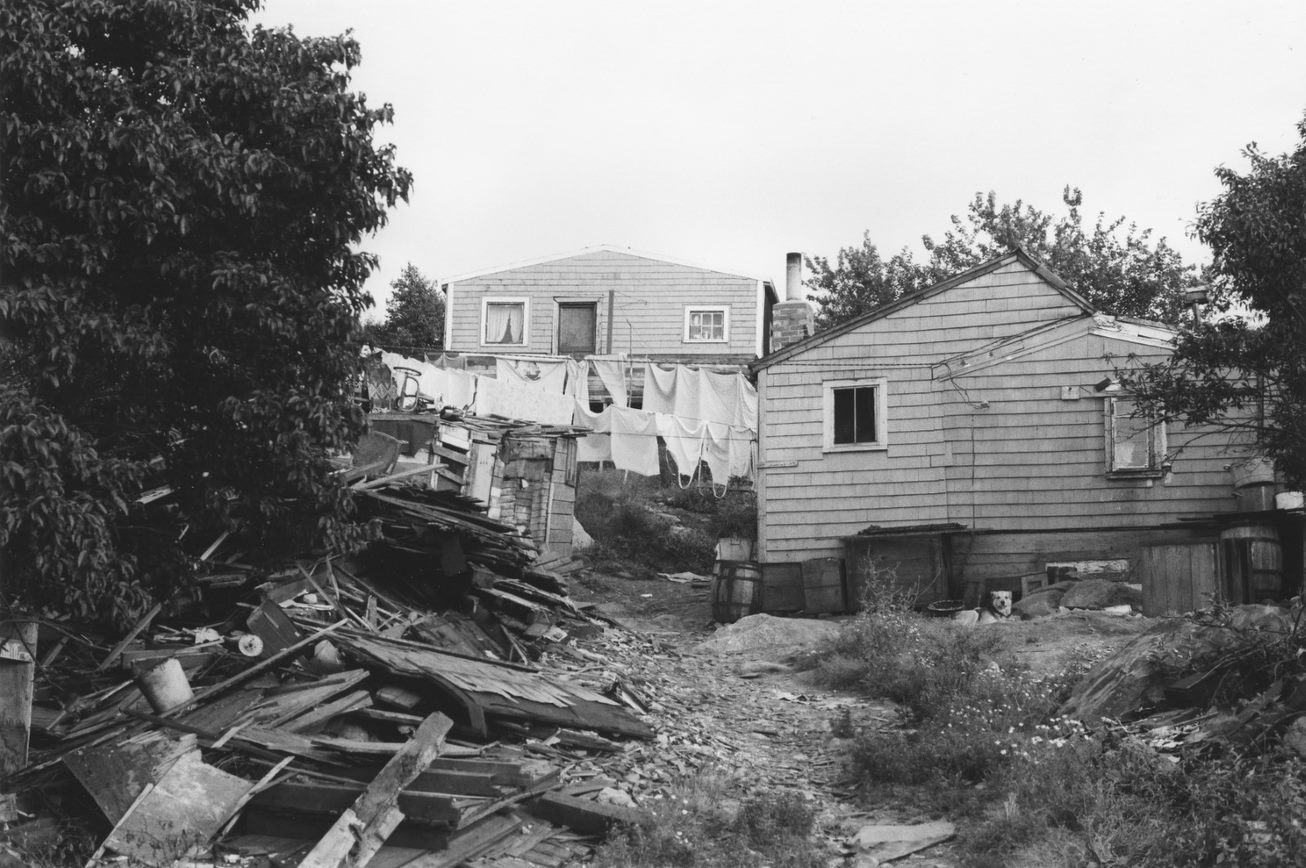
column 414, row 315
column 859, row 281
column 1247, row 372
column 1114, row 265
column 182, row 197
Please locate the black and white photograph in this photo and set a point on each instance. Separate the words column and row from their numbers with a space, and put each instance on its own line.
column 667, row 434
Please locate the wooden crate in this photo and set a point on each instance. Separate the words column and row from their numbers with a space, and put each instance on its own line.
column 1179, row 577
column 824, row 589
column 782, row 587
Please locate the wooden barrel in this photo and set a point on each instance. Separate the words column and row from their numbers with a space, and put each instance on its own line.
column 782, row 587
column 824, row 590
column 736, row 591
column 1253, row 562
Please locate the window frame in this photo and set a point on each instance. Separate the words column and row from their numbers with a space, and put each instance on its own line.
column 524, row 301
column 828, row 389
column 558, row 306
column 1157, row 462
column 723, row 309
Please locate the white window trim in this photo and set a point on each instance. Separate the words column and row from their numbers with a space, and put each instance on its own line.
column 723, row 309
column 1157, row 460
column 525, row 302
column 881, row 386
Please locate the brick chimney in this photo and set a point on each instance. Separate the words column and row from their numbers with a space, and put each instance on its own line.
column 792, row 319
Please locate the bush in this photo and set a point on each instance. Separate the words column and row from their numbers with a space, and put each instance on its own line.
column 1126, row 804
column 629, row 533
column 698, row 826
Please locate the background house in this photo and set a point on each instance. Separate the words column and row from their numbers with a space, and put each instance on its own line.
column 970, row 433
column 609, row 301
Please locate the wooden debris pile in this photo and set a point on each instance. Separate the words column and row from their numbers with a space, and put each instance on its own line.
column 383, row 710
column 1229, row 678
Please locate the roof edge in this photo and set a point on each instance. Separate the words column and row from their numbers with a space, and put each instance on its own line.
column 599, row 248
column 1017, row 254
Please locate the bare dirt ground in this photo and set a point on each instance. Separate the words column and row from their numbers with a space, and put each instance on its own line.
column 760, row 726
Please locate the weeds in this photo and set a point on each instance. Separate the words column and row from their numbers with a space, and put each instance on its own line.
column 699, row 826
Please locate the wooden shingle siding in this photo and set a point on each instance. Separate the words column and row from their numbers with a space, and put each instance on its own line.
column 647, row 305
column 993, row 446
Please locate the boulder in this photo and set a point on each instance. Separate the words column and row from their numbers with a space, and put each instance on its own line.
column 1100, row 593
column 1039, row 604
column 580, row 538
column 767, row 631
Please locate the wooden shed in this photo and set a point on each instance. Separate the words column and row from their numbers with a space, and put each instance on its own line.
column 524, row 472
column 988, row 403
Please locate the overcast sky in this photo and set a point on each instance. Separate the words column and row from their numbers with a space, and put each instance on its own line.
column 728, row 133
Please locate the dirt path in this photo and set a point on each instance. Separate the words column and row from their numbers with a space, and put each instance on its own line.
column 740, row 717
column 735, row 715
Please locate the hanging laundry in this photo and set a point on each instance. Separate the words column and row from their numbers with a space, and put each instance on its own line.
column 547, row 374
column 634, row 441
column 742, row 451
column 684, row 441
column 448, row 362
column 496, row 398
column 584, row 417
column 613, row 374
column 415, row 379
column 594, row 447
column 718, row 396
column 716, row 452
column 661, row 384
column 460, row 388
column 578, row 380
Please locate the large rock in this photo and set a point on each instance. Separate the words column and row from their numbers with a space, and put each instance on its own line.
column 767, row 631
column 1039, row 604
column 1100, row 593
column 1136, row 675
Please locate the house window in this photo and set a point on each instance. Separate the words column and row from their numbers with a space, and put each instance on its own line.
column 855, row 415
column 707, row 325
column 504, row 322
column 576, row 326
column 1135, row 444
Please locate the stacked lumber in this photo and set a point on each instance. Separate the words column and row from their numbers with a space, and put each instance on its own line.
column 380, row 710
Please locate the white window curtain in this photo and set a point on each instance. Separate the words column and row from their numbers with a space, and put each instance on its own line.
column 503, row 323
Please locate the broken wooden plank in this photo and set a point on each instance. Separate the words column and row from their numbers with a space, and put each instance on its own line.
column 187, row 807
column 319, row 797
column 469, row 843
column 115, row 774
column 585, row 816
column 135, row 631
column 320, row 715
column 17, row 667
column 358, row 830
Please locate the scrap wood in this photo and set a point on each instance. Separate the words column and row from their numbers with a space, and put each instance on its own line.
column 471, row 843
column 491, row 688
column 126, row 640
column 318, row 797
column 188, row 806
column 115, row 774
column 363, row 827
column 585, row 815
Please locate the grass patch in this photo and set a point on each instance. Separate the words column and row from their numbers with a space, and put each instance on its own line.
column 699, row 825
column 635, row 531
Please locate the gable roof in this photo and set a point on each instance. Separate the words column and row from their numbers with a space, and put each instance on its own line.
column 601, row 248
column 908, row 299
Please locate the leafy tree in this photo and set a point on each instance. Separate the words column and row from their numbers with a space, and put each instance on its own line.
column 180, row 205
column 1247, row 372
column 414, row 315
column 859, row 281
column 1115, row 266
